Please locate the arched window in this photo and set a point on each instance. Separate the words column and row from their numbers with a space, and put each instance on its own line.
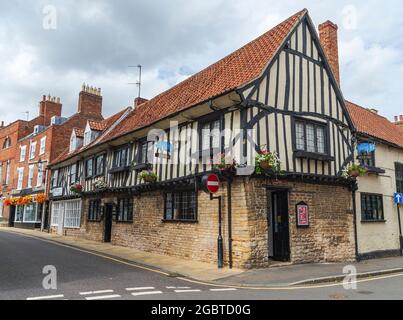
column 7, row 143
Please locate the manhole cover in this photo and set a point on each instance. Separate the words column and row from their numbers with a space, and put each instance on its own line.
column 366, row 292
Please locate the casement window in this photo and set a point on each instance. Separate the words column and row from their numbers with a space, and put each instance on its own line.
column 23, row 152
column 57, row 211
column 55, row 179
column 399, row 177
column 73, row 174
column 42, row 148
column 32, row 150
column 121, row 157
column 99, row 165
column 39, row 177
column 372, row 207
column 89, row 168
column 30, row 176
column 7, row 179
column 7, row 143
column 72, row 214
column 94, row 210
column 124, row 211
column 146, row 154
column 181, row 206
column 210, row 135
column 311, row 137
column 20, row 172
column 87, row 137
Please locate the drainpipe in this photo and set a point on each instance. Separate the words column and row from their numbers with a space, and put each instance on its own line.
column 229, row 193
column 354, row 188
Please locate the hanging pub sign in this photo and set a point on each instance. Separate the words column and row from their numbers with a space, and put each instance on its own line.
column 365, row 150
column 302, row 215
column 211, row 183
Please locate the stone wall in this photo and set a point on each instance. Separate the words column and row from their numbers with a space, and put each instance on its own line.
column 329, row 238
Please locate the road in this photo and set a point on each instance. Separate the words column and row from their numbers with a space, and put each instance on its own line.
column 84, row 276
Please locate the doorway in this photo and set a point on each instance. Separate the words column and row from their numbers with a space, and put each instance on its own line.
column 11, row 218
column 279, row 226
column 108, row 223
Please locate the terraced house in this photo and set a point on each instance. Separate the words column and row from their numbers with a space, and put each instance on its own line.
column 276, row 98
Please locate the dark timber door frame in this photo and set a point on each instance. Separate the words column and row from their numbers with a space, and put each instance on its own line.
column 108, row 222
column 279, row 226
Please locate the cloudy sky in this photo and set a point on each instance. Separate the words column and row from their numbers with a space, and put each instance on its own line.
column 54, row 46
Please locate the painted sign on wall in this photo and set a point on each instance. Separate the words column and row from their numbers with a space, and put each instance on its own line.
column 302, row 215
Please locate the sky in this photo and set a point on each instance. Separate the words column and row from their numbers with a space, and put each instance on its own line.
column 54, row 46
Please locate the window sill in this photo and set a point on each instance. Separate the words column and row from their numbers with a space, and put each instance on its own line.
column 375, row 170
column 373, row 221
column 142, row 166
column 180, row 221
column 119, row 169
column 313, row 156
column 124, row 222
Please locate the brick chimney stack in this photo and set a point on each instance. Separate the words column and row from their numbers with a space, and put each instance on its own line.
column 90, row 102
column 138, row 101
column 399, row 120
column 49, row 107
column 329, row 41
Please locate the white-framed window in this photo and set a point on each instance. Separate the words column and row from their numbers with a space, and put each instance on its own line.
column 20, row 180
column 42, row 148
column 32, row 150
column 57, row 210
column 23, row 152
column 72, row 214
column 7, row 179
column 55, row 178
column 39, row 177
column 30, row 176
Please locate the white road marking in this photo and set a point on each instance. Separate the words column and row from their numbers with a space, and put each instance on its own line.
column 47, row 297
column 140, row 288
column 185, row 291
column 178, row 287
column 95, row 292
column 112, row 296
column 223, row 289
column 146, row 293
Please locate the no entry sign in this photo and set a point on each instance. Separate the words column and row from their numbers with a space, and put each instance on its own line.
column 211, row 183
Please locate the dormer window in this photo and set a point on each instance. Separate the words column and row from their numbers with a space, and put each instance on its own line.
column 92, row 131
column 76, row 140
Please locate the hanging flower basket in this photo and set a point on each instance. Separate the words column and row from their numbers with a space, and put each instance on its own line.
column 354, row 171
column 41, row 198
column 225, row 165
column 100, row 185
column 7, row 202
column 76, row 188
column 267, row 161
column 148, row 177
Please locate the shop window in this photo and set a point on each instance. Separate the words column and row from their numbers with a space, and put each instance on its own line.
column 372, row 207
column 181, row 206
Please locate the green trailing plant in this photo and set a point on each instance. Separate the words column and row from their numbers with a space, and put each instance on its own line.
column 267, row 161
column 148, row 176
column 225, row 164
column 354, row 171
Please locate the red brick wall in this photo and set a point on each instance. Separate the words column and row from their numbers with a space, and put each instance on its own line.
column 329, row 41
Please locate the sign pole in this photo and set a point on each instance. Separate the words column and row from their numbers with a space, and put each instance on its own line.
column 400, row 230
column 220, row 244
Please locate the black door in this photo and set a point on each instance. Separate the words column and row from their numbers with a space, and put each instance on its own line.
column 108, row 223
column 280, row 226
column 12, row 217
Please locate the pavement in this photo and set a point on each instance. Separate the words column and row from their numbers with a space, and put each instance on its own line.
column 29, row 263
column 276, row 277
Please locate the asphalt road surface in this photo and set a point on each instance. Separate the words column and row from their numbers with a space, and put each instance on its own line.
column 85, row 276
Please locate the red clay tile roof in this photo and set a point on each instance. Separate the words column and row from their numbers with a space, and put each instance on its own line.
column 96, row 125
column 374, row 125
column 232, row 72
column 79, row 132
column 105, row 124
